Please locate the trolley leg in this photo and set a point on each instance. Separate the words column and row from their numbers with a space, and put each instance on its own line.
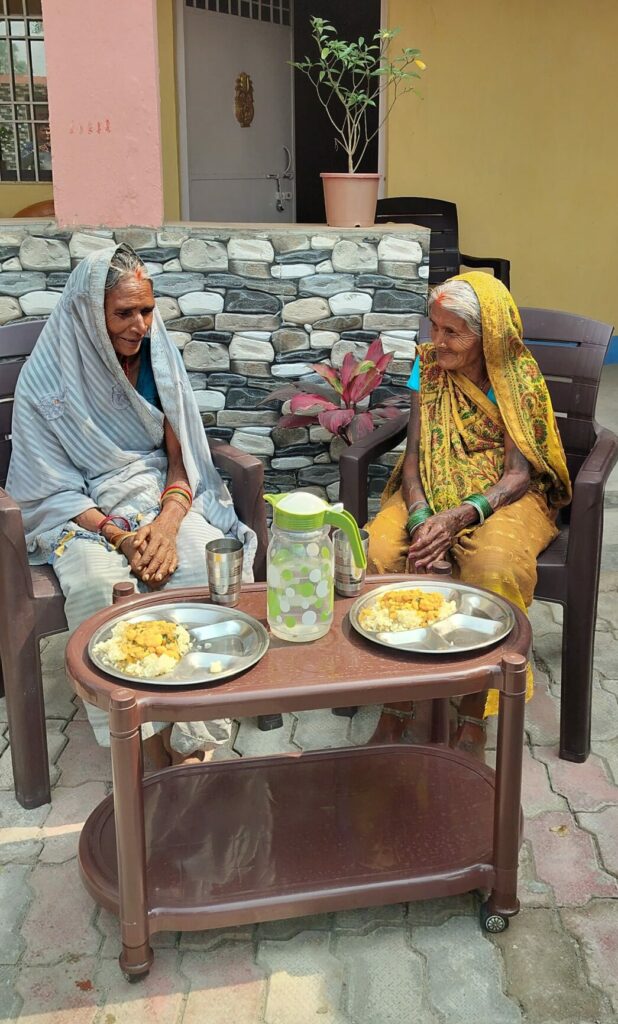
column 439, row 720
column 503, row 902
column 127, row 772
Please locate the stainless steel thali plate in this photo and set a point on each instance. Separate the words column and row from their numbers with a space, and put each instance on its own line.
column 218, row 634
column 479, row 620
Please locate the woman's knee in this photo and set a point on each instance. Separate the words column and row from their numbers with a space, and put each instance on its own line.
column 388, row 539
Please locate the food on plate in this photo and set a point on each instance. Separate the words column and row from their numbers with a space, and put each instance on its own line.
column 216, row 666
column 144, row 649
column 402, row 609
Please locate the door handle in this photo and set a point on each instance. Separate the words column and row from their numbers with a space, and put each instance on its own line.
column 288, row 173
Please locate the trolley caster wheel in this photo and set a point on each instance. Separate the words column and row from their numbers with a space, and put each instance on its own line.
column 492, row 922
column 134, row 978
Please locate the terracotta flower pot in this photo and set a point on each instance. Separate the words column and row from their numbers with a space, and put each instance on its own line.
column 350, row 199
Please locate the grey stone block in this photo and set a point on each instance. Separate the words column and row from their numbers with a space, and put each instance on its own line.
column 252, row 443
column 247, row 301
column 246, row 322
column 200, row 355
column 190, row 323
column 8, row 252
column 251, row 268
column 17, row 284
column 286, row 437
column 248, row 398
column 290, row 339
column 217, row 380
column 9, row 310
column 289, row 242
column 198, row 381
column 382, row 321
column 220, row 433
column 176, row 285
column 391, row 268
column 279, row 482
column 237, row 281
column 396, row 301
column 373, row 281
column 250, row 249
column 322, row 475
column 303, row 256
column 362, row 337
column 326, row 284
column 355, row 256
column 305, row 311
column 138, row 238
column 219, row 337
column 159, row 254
column 239, row 418
column 251, row 368
column 168, row 308
column 310, row 355
column 44, row 254
column 339, row 323
column 202, row 254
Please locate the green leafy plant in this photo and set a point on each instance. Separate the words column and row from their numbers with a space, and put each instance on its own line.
column 344, row 413
column 351, row 77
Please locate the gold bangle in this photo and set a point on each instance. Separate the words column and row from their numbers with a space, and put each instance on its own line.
column 121, row 539
column 178, row 500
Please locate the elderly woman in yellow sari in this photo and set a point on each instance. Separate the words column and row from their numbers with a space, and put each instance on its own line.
column 483, row 474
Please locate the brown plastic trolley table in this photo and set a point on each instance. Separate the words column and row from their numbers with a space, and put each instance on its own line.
column 253, row 839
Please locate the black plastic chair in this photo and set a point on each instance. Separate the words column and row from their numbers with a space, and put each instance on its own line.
column 570, row 351
column 440, row 216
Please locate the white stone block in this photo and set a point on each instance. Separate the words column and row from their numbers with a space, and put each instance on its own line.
column 262, row 431
column 393, row 247
column 323, row 339
column 344, row 303
column 12, row 236
column 198, row 303
column 242, row 347
column 324, row 241
column 290, row 370
column 291, row 462
column 39, row 303
column 292, row 270
column 45, row 254
column 402, row 348
column 172, row 236
column 325, row 267
column 355, row 256
column 202, row 254
column 250, row 249
column 172, row 266
column 153, row 269
column 423, row 273
column 12, row 264
column 320, row 433
column 83, row 244
column 341, row 348
column 209, row 401
column 253, row 335
column 253, row 443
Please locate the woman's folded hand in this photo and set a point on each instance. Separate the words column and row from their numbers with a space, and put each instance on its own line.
column 432, row 540
column 151, row 552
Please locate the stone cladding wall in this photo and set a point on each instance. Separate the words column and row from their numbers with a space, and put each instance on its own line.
column 251, row 309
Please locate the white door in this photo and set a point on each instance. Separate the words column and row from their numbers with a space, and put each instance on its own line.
column 236, row 173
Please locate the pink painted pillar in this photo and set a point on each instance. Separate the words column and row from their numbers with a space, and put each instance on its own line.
column 103, row 81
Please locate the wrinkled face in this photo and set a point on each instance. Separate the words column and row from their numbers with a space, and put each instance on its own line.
column 457, row 347
column 129, row 309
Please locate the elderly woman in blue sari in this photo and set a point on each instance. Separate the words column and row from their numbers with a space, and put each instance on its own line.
column 110, row 463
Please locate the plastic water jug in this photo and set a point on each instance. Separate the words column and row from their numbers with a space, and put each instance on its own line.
column 300, row 564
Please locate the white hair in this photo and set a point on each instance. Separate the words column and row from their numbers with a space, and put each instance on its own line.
column 459, row 298
column 125, row 263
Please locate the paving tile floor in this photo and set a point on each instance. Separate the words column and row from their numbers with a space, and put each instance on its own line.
column 420, row 963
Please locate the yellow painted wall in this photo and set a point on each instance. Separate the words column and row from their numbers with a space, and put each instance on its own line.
column 14, row 196
column 517, row 126
column 169, row 114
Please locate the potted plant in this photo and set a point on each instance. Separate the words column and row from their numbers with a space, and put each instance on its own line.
column 342, row 411
column 349, row 78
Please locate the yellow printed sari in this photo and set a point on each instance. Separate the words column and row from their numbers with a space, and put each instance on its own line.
column 461, row 452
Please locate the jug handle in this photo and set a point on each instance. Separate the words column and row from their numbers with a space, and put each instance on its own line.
column 346, row 521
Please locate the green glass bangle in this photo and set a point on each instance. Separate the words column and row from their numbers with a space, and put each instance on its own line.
column 417, row 518
column 482, row 502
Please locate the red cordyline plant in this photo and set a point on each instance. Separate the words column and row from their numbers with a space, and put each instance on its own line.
column 353, row 383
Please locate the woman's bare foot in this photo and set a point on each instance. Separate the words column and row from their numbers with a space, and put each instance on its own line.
column 156, row 754
column 175, row 757
column 470, row 737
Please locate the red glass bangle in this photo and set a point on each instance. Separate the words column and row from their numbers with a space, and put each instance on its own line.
column 115, row 521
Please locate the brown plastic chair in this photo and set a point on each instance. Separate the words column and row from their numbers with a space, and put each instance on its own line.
column 445, row 257
column 43, row 209
column 570, row 351
column 31, row 601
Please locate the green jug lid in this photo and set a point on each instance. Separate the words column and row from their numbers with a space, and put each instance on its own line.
column 298, row 510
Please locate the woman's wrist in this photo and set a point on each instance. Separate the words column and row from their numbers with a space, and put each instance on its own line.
column 172, row 513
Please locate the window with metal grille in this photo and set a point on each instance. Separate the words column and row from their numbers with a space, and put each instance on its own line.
column 276, row 11
column 25, row 153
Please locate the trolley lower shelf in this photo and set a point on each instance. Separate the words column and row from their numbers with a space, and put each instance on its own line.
column 257, row 839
